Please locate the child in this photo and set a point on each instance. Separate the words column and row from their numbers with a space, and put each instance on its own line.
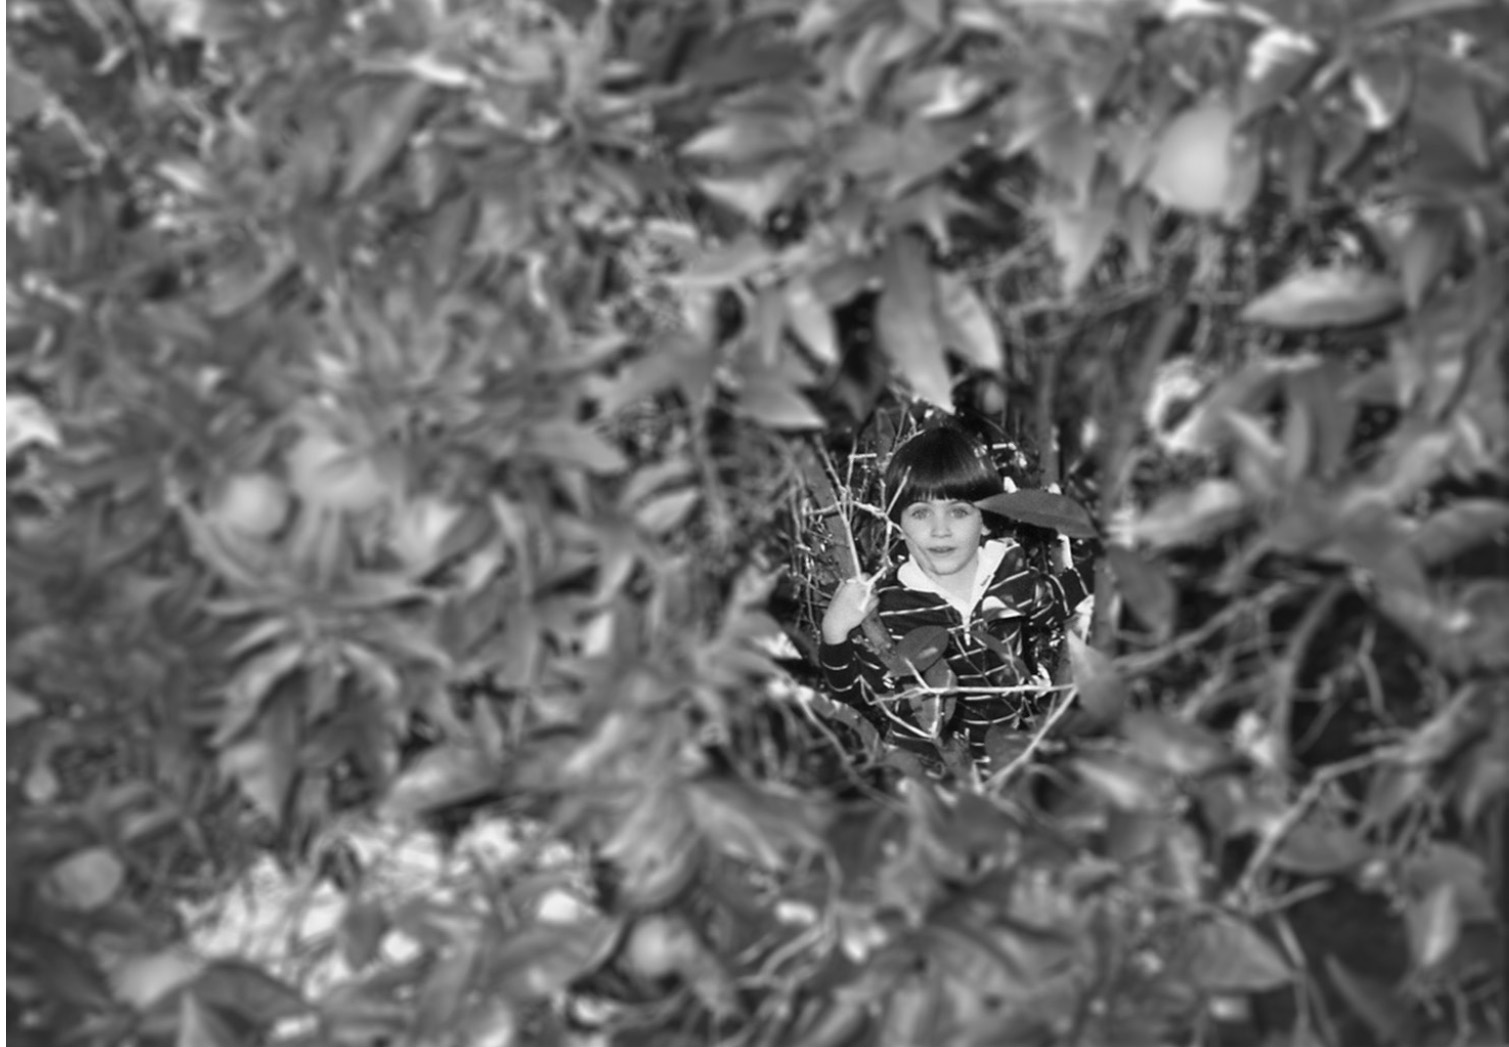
column 958, row 576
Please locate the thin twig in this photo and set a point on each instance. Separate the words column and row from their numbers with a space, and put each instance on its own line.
column 1060, row 710
column 1297, row 811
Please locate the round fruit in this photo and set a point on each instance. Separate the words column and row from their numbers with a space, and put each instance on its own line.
column 660, row 945
column 1193, row 164
column 331, row 474
column 256, row 504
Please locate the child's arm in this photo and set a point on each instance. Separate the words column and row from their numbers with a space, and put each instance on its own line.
column 850, row 669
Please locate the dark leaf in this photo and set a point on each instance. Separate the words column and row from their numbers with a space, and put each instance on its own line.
column 1374, row 1003
column 1147, row 589
column 923, row 646
column 1459, row 528
column 1227, row 955
column 906, row 320
column 200, row 1026
column 1042, row 509
column 382, row 133
column 1445, row 114
column 1335, row 297
column 362, row 928
column 249, row 993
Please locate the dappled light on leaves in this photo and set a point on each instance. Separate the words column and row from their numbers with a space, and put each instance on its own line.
column 435, row 431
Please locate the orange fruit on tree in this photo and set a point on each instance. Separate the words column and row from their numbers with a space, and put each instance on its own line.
column 1193, row 163
column 255, row 504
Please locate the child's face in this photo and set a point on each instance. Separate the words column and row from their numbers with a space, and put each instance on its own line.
column 943, row 537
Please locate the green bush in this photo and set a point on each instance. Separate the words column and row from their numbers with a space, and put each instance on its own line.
column 418, row 415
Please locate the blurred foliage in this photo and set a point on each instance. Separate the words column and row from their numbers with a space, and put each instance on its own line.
column 414, row 410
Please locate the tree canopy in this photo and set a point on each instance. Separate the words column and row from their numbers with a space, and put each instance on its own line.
column 422, row 411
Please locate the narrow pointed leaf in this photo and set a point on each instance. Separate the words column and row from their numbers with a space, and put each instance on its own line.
column 906, row 321
column 1042, row 509
column 378, row 139
column 1230, row 956
column 1336, row 297
column 1102, row 691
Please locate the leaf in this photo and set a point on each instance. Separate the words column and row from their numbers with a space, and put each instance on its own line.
column 564, row 441
column 382, row 134
column 809, row 319
column 1227, row 955
column 1374, row 1003
column 1336, row 297
column 363, row 925
column 906, row 323
column 251, row 685
column 1381, row 82
column 19, row 705
column 250, row 993
column 1079, row 232
column 1147, row 589
column 1444, row 114
column 770, row 400
column 1411, row 10
column 1042, row 509
column 1459, row 528
column 200, row 1026
column 1426, row 252
column 1279, row 61
column 1319, row 846
column 24, row 93
column 755, row 824
column 923, row 646
column 967, row 326
column 747, row 139
column 87, row 879
column 1128, row 786
column 442, row 777
column 666, row 512
column 1102, row 691
column 265, row 763
column 1174, row 745
column 756, row 194
column 142, row 981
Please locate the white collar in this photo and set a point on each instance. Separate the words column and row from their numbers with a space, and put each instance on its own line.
column 991, row 555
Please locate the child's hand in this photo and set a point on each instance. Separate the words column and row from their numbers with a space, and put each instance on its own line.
column 852, row 603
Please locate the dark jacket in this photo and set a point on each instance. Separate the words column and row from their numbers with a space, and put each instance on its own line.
column 985, row 645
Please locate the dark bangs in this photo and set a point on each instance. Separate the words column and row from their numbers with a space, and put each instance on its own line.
column 942, row 463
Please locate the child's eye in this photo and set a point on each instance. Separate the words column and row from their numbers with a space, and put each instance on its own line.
column 960, row 512
column 918, row 513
